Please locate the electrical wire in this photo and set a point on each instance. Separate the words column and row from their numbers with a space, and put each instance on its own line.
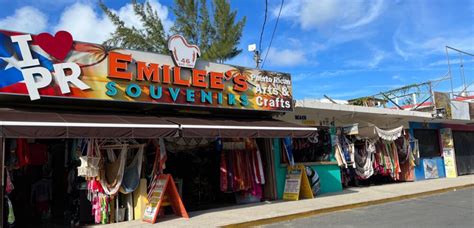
column 273, row 33
column 263, row 26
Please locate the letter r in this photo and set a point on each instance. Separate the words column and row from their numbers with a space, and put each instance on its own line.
column 73, row 78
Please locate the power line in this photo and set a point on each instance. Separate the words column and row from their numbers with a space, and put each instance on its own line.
column 273, row 33
column 263, row 26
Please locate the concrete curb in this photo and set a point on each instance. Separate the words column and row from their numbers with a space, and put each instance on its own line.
column 283, row 218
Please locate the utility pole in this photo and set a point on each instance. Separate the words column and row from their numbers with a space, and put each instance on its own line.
column 256, row 54
column 256, row 58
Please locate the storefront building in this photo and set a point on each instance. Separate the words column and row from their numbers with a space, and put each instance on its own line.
column 446, row 142
column 369, row 145
column 446, row 149
column 85, row 129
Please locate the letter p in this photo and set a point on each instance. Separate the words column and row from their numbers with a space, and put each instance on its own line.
column 34, row 84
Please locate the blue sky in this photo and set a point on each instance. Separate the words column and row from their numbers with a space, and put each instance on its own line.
column 344, row 49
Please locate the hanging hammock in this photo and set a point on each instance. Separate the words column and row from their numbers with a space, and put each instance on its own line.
column 389, row 135
column 111, row 179
column 131, row 176
column 364, row 160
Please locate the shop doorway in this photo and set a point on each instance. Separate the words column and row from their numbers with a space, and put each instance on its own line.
column 214, row 173
column 464, row 151
column 41, row 183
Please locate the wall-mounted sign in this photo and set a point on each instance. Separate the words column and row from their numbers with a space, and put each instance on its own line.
column 184, row 54
column 443, row 102
column 448, row 152
column 309, row 122
column 300, row 117
column 43, row 65
column 431, row 168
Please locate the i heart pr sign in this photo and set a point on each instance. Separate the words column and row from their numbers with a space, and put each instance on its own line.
column 58, row 47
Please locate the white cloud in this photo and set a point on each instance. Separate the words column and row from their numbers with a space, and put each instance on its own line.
column 397, row 77
column 300, row 77
column 416, row 47
column 285, row 57
column 423, row 34
column 376, row 59
column 345, row 14
column 436, row 44
column 468, row 90
column 25, row 19
column 396, row 46
column 336, row 73
column 86, row 24
column 373, row 13
column 290, row 9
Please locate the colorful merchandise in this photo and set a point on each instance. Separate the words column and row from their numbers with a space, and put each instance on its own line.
column 241, row 167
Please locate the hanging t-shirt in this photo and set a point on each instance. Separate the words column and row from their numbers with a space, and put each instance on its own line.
column 22, row 152
column 38, row 154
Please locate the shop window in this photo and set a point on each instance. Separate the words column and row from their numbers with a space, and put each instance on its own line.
column 428, row 140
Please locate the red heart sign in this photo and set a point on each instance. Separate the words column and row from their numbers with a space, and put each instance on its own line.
column 57, row 46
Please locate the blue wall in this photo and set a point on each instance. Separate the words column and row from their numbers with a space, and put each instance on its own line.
column 329, row 174
column 419, row 169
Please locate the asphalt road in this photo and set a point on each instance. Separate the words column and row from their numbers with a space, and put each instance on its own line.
column 447, row 210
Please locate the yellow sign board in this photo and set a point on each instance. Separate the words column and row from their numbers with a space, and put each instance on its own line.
column 297, row 184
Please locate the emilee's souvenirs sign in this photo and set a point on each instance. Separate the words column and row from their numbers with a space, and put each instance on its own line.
column 44, row 65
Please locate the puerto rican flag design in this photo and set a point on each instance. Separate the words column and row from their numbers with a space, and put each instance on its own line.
column 11, row 78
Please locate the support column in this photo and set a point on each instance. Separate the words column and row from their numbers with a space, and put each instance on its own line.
column 2, row 175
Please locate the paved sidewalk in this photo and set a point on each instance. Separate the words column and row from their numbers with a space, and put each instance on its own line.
column 263, row 213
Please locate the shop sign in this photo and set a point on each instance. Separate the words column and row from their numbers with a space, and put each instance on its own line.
column 300, row 117
column 448, row 152
column 164, row 192
column 443, row 102
column 305, row 121
column 45, row 66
